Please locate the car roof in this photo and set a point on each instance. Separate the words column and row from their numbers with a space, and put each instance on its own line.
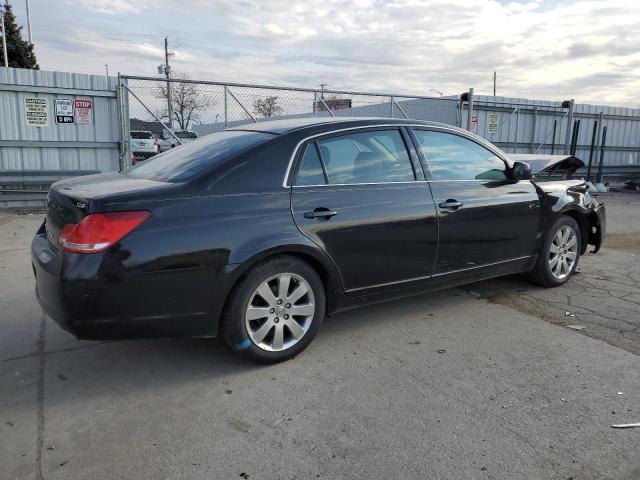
column 280, row 127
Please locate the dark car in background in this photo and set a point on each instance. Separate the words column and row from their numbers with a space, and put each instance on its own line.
column 176, row 138
column 256, row 233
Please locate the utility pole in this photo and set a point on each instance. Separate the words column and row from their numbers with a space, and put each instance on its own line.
column 4, row 38
column 495, row 76
column 322, row 85
column 106, row 67
column 29, row 24
column 167, row 71
column 470, row 112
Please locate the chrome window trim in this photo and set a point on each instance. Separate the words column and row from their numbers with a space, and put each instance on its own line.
column 356, row 184
column 454, row 130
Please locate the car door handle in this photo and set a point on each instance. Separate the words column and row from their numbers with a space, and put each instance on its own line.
column 451, row 204
column 321, row 212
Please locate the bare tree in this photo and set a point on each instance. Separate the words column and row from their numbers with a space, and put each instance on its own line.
column 267, row 107
column 187, row 102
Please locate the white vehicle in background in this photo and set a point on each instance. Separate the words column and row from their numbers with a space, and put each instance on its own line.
column 168, row 141
column 143, row 144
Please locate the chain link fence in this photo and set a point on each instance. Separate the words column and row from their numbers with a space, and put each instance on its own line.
column 177, row 110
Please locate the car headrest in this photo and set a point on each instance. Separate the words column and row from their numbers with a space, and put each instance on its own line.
column 366, row 167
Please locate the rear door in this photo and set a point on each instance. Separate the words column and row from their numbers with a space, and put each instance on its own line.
column 361, row 196
column 485, row 217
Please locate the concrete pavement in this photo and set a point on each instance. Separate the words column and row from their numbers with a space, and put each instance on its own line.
column 456, row 384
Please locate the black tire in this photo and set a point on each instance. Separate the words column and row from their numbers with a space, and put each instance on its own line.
column 234, row 329
column 541, row 272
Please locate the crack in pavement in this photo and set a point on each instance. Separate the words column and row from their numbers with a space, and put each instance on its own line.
column 38, row 353
column 603, row 297
column 41, row 345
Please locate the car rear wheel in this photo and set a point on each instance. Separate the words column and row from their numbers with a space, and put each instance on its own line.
column 560, row 253
column 275, row 310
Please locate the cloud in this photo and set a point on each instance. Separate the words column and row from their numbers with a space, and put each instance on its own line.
column 583, row 49
column 110, row 7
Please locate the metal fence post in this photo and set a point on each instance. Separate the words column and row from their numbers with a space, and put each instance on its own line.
column 593, row 146
column 602, row 147
column 470, row 106
column 315, row 103
column 391, row 107
column 226, row 120
column 574, row 138
column 600, row 121
column 126, row 124
column 553, row 140
column 515, row 139
column 121, row 147
column 533, row 129
column 567, row 140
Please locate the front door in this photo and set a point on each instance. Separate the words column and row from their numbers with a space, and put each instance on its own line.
column 485, row 217
column 358, row 196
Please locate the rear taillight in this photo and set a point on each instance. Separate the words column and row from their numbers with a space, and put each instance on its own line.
column 98, row 231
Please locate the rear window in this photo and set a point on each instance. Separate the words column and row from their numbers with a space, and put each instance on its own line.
column 182, row 163
column 141, row 135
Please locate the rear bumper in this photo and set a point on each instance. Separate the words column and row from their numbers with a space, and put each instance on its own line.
column 95, row 298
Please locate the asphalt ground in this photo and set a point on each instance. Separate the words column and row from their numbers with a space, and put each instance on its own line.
column 486, row 381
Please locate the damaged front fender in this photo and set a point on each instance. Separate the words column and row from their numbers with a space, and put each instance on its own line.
column 572, row 197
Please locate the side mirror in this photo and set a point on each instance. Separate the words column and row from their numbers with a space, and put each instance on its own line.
column 521, row 171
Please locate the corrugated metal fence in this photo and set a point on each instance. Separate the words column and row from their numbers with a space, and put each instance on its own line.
column 85, row 138
column 55, row 124
column 527, row 126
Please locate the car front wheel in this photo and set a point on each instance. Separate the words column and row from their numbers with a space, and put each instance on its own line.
column 560, row 253
column 275, row 310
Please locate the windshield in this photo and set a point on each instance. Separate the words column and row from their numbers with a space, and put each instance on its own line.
column 182, row 163
column 141, row 135
column 186, row 135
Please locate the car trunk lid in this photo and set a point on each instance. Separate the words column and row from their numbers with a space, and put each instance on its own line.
column 69, row 201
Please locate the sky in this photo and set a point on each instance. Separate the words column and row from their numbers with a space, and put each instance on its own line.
column 551, row 50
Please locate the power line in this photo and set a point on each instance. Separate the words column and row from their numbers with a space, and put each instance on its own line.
column 228, row 49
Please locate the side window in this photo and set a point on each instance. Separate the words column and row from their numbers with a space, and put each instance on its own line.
column 310, row 169
column 452, row 157
column 378, row 156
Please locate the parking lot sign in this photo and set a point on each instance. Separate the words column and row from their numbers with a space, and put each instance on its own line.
column 64, row 110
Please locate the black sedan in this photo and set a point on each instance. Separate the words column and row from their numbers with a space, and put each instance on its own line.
column 256, row 233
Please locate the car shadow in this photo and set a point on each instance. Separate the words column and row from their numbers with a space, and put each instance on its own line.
column 140, row 367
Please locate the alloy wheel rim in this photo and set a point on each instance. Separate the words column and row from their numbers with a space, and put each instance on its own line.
column 280, row 312
column 563, row 252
